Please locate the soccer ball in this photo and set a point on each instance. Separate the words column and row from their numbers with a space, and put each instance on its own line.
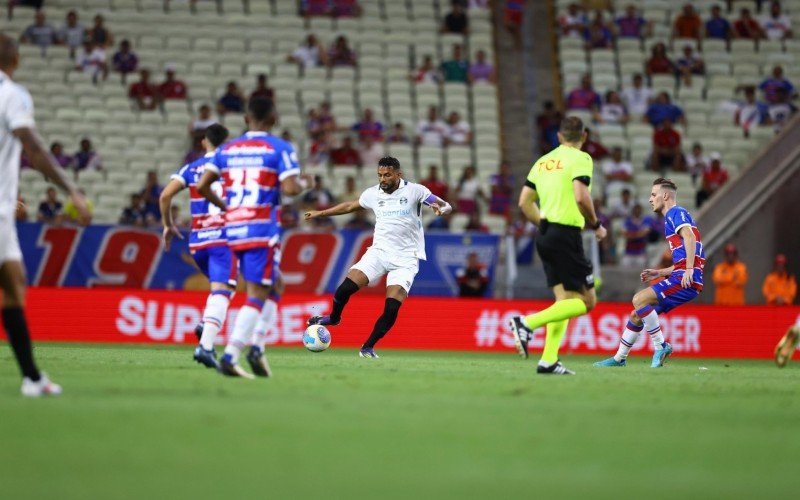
column 317, row 338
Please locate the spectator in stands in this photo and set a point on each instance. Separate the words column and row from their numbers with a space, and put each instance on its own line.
column 659, row 63
column 431, row 131
column 65, row 160
column 618, row 172
column 346, row 154
column 748, row 28
column 370, row 151
column 612, row 110
column 469, row 191
column 398, row 135
column 688, row 24
column 548, row 123
column 309, row 54
column 714, row 178
column 730, row 277
column 781, row 111
column 203, row 120
column 143, row 92
column 770, row 86
column 99, row 34
column 583, row 97
column 71, row 214
column 690, row 64
column 21, row 212
column 481, row 70
column 316, row 8
column 632, row 25
column 434, row 184
column 368, row 126
column 34, row 4
column 359, row 222
column 171, row 87
column 318, row 197
column 667, row 150
column 72, row 33
column 91, row 59
column 637, row 97
column 86, row 158
column 593, row 147
column 776, row 24
column 750, row 113
column 455, row 69
column 351, row 191
column 290, row 217
column 441, row 223
column 697, row 162
column 319, row 153
column 473, row 278
column 780, row 287
column 40, row 32
column 125, row 60
column 427, row 73
column 346, row 8
column 513, row 15
column 327, row 122
column 622, row 207
column 262, row 90
column 340, row 53
column 573, row 22
column 663, row 109
column 607, row 245
column 150, row 194
column 717, row 26
column 456, row 21
column 50, row 209
column 475, row 224
column 197, row 150
column 135, row 213
column 458, row 132
column 502, row 190
column 232, row 101
column 597, row 34
column 637, row 228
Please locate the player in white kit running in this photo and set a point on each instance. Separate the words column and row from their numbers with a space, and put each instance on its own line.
column 397, row 246
column 18, row 133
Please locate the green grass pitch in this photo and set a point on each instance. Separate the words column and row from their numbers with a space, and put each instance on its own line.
column 146, row 422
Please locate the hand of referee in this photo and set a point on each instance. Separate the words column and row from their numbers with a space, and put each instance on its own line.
column 600, row 233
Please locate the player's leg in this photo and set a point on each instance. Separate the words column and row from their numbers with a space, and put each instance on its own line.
column 787, row 345
column 645, row 303
column 12, row 282
column 366, row 270
column 629, row 337
column 268, row 318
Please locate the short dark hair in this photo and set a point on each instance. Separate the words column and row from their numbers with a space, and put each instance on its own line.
column 260, row 108
column 571, row 129
column 665, row 183
column 216, row 134
column 389, row 161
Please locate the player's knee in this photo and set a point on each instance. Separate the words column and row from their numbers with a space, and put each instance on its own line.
column 590, row 299
column 639, row 301
column 634, row 318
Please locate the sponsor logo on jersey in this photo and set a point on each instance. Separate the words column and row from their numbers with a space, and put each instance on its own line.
column 403, row 200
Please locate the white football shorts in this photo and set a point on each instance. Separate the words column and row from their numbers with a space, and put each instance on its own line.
column 9, row 243
column 400, row 270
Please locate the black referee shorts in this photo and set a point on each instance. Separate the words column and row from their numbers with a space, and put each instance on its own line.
column 565, row 263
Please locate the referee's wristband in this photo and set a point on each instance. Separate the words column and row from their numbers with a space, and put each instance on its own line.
column 596, row 225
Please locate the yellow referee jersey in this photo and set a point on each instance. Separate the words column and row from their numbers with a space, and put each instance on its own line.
column 552, row 175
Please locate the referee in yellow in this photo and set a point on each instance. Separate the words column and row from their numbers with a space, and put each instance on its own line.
column 561, row 182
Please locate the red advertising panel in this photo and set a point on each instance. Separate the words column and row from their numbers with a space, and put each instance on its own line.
column 136, row 316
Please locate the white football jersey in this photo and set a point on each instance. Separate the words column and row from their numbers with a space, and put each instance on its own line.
column 398, row 221
column 16, row 111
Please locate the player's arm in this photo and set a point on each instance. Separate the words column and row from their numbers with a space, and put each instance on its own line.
column 165, row 203
column 439, row 206
column 689, row 244
column 347, row 207
column 296, row 184
column 42, row 160
column 580, row 188
column 527, row 203
column 208, row 178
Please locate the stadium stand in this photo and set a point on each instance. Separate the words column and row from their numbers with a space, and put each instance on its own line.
column 215, row 42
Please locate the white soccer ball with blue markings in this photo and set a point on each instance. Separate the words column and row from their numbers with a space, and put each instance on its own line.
column 317, row 338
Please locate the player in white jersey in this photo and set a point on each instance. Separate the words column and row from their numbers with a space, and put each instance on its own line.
column 18, row 133
column 397, row 246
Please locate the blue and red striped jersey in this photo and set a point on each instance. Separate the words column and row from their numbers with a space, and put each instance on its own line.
column 251, row 168
column 208, row 222
column 676, row 219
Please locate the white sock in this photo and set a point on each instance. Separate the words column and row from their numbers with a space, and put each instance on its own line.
column 653, row 327
column 629, row 337
column 213, row 318
column 243, row 328
column 265, row 324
